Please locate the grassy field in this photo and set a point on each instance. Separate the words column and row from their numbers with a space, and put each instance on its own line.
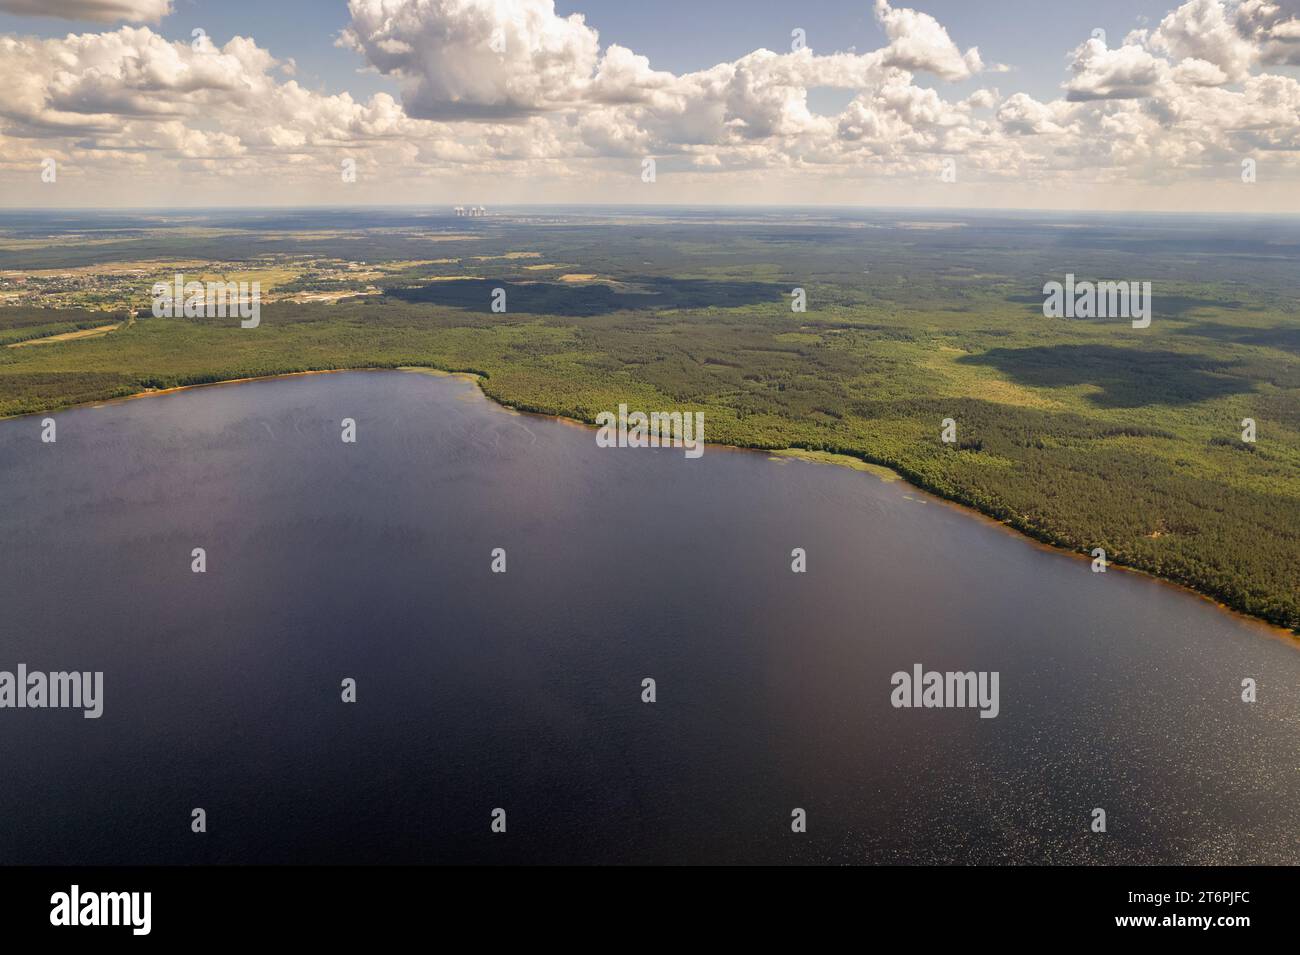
column 1081, row 433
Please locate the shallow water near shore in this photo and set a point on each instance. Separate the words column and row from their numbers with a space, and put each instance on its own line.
column 522, row 690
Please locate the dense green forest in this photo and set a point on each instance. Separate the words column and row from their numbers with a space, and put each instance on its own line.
column 1082, row 433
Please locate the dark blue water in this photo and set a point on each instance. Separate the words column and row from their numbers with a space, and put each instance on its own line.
column 523, row 691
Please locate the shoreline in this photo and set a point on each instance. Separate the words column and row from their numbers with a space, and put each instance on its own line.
column 781, row 455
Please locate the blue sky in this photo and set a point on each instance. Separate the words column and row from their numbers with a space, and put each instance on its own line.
column 963, row 103
column 1032, row 36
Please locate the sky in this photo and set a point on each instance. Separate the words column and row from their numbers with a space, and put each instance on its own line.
column 1111, row 105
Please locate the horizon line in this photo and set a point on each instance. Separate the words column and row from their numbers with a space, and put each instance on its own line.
column 949, row 210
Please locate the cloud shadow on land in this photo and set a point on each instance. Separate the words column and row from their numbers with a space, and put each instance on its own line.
column 552, row 298
column 1283, row 337
column 1127, row 377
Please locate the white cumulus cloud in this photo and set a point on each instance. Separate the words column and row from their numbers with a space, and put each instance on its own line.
column 97, row 11
column 511, row 91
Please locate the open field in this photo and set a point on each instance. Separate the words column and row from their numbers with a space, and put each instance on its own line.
column 1083, row 433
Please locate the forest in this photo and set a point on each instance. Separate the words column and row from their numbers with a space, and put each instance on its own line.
column 1082, row 433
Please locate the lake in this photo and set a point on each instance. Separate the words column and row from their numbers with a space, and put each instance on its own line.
column 477, row 690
